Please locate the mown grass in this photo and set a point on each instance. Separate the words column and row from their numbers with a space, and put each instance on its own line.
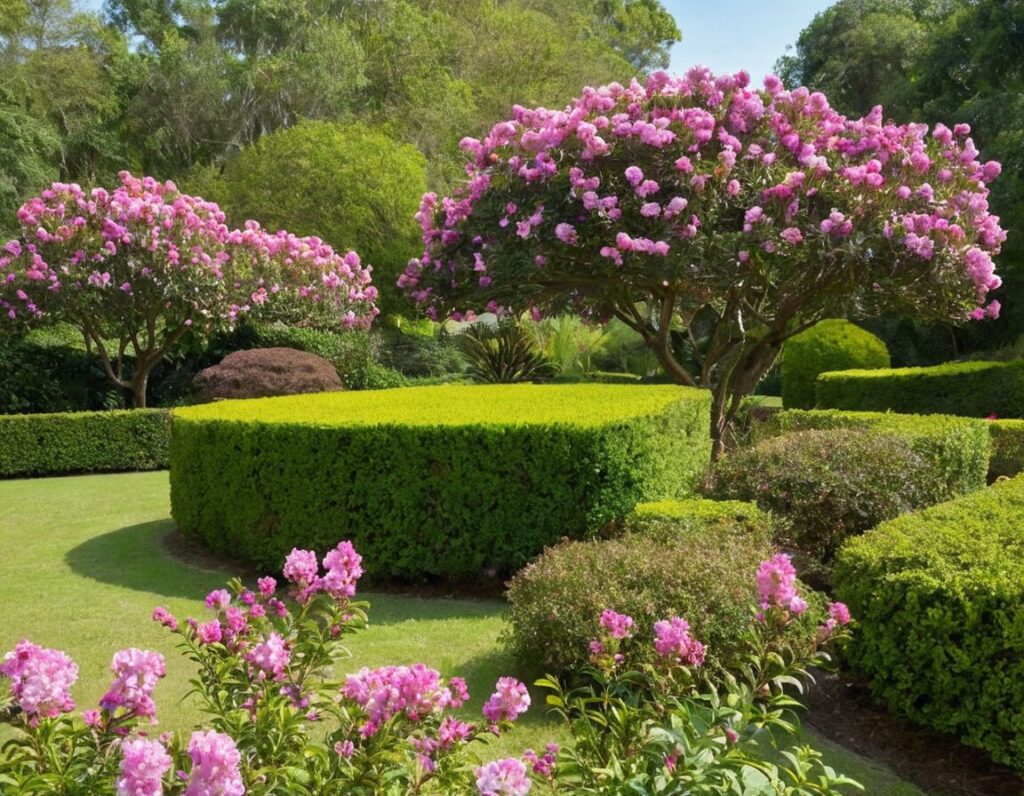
column 84, row 563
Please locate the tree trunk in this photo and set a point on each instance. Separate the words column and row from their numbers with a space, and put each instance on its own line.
column 138, row 384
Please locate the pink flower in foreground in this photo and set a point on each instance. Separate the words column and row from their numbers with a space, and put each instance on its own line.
column 165, row 618
column 267, row 586
column 416, row 691
column 215, row 760
column 618, row 625
column 40, row 680
column 301, row 567
column 272, row 656
column 776, row 584
column 344, row 568
column 505, row 777
column 143, row 765
column 840, row 613
column 136, row 674
column 509, row 700
column 672, row 640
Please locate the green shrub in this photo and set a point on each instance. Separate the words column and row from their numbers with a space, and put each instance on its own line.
column 502, row 354
column 971, row 389
column 82, row 442
column 825, row 484
column 1007, row 452
column 939, row 601
column 833, row 344
column 706, row 574
column 432, row 481
column 955, row 448
column 668, row 520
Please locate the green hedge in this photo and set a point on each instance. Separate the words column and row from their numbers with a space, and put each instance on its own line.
column 957, row 448
column 972, row 389
column 669, row 520
column 938, row 597
column 83, row 442
column 833, row 344
column 1007, row 454
column 427, row 481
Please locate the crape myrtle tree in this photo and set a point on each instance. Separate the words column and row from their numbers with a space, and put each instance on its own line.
column 136, row 268
column 714, row 219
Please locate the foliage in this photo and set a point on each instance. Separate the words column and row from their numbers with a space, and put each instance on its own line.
column 554, row 605
column 502, row 354
column 83, row 442
column 699, row 211
column 430, row 351
column 672, row 520
column 263, row 372
column 144, row 264
column 955, row 449
column 28, row 149
column 834, row 344
column 434, row 480
column 938, row 596
column 568, row 343
column 1007, row 452
column 973, row 389
column 624, row 351
column 353, row 186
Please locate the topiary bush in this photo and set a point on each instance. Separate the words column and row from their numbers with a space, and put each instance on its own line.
column 432, row 481
column 670, row 520
column 700, row 568
column 264, row 372
column 833, row 344
column 83, row 442
column 939, row 601
column 826, row 484
column 1007, row 452
column 971, row 389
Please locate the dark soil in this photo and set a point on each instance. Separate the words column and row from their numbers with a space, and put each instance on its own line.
column 841, row 709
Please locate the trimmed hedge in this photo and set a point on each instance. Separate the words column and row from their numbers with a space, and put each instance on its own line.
column 690, row 559
column 84, row 442
column 833, row 344
column 432, row 481
column 1007, row 453
column 939, row 601
column 956, row 448
column 971, row 389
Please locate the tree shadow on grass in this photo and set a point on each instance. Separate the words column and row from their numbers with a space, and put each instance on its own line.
column 136, row 557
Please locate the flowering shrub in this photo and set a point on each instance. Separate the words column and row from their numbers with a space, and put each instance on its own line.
column 740, row 216
column 144, row 263
column 281, row 721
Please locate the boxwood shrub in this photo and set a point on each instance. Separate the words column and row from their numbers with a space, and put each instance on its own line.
column 939, row 602
column 432, row 481
column 955, row 449
column 1007, row 452
column 972, row 389
column 833, row 344
column 83, row 442
column 690, row 559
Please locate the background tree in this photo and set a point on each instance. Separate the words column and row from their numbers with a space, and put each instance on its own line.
column 136, row 268
column 698, row 210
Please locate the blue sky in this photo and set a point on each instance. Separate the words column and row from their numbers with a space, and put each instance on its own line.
column 729, row 35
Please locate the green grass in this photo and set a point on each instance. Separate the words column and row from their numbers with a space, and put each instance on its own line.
column 84, row 565
column 447, row 405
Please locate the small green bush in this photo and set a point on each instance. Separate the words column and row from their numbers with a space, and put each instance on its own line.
column 432, row 481
column 971, row 389
column 1007, row 454
column 939, row 602
column 834, row 344
column 83, row 442
column 826, row 484
column 669, row 520
column 705, row 573
column 955, row 448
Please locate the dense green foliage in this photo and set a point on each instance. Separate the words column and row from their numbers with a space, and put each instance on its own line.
column 431, row 481
column 972, row 389
column 83, row 442
column 502, row 354
column 939, row 601
column 1007, row 453
column 833, row 344
column 685, row 560
column 826, row 484
column 954, row 448
column 668, row 520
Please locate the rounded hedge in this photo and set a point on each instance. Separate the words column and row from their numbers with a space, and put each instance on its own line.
column 834, row 344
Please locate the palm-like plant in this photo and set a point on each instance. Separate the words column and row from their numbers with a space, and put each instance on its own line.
column 501, row 354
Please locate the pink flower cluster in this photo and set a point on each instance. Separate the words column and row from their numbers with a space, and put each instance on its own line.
column 672, row 641
column 145, row 240
column 509, row 701
column 838, row 616
column 143, row 765
column 619, row 626
column 215, row 761
column 776, row 585
column 768, row 174
column 136, row 674
column 415, row 691
column 41, row 680
column 343, row 567
column 505, row 777
column 271, row 656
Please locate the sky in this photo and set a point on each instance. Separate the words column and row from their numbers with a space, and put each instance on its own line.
column 729, row 35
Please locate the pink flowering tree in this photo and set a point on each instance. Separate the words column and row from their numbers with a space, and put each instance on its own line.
column 136, row 268
column 715, row 219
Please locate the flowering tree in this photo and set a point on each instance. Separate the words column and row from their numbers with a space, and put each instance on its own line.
column 714, row 219
column 136, row 268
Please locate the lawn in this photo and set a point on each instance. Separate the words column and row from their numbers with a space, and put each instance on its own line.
column 85, row 563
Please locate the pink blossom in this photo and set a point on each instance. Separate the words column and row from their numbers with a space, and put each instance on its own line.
column 776, row 584
column 41, row 680
column 672, row 640
column 509, row 700
column 215, row 765
column 344, row 568
column 270, row 656
column 618, row 625
column 136, row 674
column 506, row 777
column 143, row 765
column 566, row 233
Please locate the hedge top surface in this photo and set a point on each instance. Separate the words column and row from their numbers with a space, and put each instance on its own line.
column 894, row 422
column 932, row 371
column 697, row 508
column 586, row 405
